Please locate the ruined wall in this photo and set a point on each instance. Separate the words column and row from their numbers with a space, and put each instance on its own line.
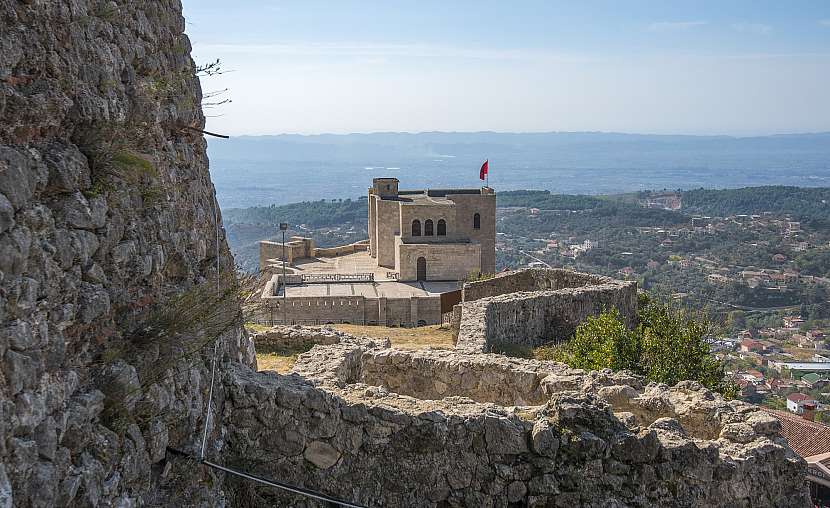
column 106, row 210
column 337, row 425
column 534, row 307
column 530, row 279
column 295, row 337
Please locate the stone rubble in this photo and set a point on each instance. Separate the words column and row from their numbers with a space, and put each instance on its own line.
column 387, row 427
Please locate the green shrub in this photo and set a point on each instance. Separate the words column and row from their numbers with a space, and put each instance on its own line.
column 668, row 345
column 602, row 342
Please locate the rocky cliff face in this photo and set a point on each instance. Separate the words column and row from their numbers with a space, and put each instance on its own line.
column 108, row 245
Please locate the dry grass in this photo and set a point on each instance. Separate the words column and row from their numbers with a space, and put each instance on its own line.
column 282, row 360
column 273, row 361
column 405, row 338
column 255, row 328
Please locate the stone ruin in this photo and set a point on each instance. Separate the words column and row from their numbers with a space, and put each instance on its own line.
column 387, row 427
column 381, row 426
column 535, row 306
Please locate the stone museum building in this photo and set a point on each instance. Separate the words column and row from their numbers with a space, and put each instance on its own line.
column 432, row 234
column 422, row 244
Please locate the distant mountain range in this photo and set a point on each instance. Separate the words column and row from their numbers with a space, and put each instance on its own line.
column 259, row 170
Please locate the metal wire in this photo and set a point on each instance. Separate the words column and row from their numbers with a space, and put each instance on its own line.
column 216, row 343
column 210, row 399
column 284, row 486
column 295, row 489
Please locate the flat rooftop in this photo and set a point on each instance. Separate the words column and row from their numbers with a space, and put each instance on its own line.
column 360, row 262
column 385, row 289
column 356, row 262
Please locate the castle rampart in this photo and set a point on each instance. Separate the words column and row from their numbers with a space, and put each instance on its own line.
column 536, row 306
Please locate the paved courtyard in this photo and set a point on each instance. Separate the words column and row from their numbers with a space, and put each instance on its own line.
column 358, row 262
column 361, row 262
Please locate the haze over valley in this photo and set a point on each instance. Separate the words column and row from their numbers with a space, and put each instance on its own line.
column 265, row 170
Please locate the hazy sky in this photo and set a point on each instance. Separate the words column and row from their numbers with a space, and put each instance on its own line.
column 726, row 66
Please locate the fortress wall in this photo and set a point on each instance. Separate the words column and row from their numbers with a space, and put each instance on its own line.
column 530, row 279
column 590, row 439
column 341, row 250
column 352, row 309
column 502, row 311
column 317, row 309
column 398, row 312
column 552, row 316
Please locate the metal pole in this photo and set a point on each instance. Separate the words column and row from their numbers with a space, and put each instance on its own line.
column 284, row 283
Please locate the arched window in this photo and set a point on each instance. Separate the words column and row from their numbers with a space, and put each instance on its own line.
column 442, row 227
column 477, row 221
column 416, row 228
column 428, row 227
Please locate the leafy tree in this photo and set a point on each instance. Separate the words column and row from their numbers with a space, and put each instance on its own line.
column 675, row 347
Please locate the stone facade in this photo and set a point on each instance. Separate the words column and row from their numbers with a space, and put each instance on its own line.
column 386, row 427
column 359, row 310
column 444, row 261
column 453, row 231
column 536, row 306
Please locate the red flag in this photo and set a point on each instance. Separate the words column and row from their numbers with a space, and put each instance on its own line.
column 484, row 168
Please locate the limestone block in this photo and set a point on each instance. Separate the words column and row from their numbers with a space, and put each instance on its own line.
column 321, row 454
column 504, row 436
column 544, row 439
column 21, row 371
